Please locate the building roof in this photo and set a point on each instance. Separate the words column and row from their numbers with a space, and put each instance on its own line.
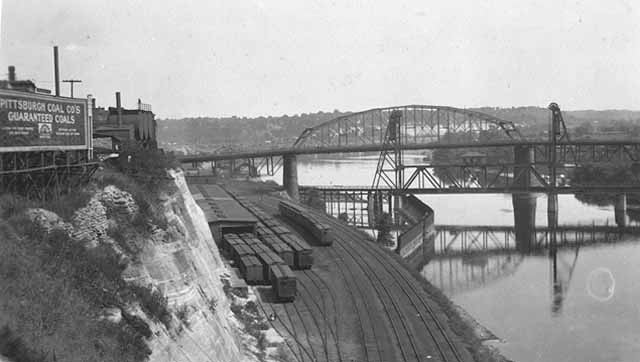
column 219, row 206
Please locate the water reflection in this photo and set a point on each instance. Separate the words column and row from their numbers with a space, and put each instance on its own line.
column 466, row 257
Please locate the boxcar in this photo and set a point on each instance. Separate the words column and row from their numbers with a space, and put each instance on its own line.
column 230, row 244
column 251, row 240
column 225, row 240
column 320, row 231
column 263, row 231
column 251, row 269
column 303, row 258
column 280, row 230
column 284, row 251
column 241, row 250
column 283, row 282
column 267, row 258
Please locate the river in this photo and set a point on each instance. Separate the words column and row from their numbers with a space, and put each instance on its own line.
column 588, row 312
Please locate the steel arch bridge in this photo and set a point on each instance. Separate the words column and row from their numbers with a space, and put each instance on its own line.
column 499, row 159
column 422, row 124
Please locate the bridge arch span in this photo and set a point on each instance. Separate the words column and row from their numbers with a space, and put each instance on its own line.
column 419, row 124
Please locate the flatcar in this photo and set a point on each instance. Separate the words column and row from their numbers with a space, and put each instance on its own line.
column 283, row 282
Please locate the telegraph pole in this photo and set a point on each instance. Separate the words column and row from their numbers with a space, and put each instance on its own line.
column 71, row 81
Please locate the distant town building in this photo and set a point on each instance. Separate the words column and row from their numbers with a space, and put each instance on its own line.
column 12, row 83
column 125, row 125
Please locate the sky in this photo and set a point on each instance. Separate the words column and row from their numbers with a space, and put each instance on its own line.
column 195, row 58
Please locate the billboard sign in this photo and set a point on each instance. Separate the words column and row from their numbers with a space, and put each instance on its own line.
column 36, row 122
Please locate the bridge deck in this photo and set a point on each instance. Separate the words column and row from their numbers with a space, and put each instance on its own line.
column 356, row 148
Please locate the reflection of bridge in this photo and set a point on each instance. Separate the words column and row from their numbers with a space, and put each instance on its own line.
column 464, row 258
column 456, row 274
column 467, row 240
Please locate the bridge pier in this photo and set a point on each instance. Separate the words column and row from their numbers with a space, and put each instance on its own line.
column 620, row 209
column 524, row 215
column 290, row 176
column 524, row 204
column 552, row 210
column 523, row 156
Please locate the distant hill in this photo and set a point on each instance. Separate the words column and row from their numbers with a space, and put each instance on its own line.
column 206, row 134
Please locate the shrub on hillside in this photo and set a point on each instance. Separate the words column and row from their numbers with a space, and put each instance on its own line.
column 153, row 303
column 148, row 166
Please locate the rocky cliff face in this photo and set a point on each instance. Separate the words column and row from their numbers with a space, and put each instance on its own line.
column 178, row 258
column 181, row 260
column 184, row 263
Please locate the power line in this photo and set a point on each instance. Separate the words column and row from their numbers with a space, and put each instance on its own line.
column 71, row 82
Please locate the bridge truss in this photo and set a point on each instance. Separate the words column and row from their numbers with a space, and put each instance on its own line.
column 420, row 124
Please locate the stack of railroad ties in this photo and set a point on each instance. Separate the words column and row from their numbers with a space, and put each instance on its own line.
column 268, row 256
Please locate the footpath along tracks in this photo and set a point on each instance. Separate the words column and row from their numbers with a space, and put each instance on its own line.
column 396, row 320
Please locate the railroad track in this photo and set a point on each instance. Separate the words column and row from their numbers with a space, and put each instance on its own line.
column 302, row 351
column 292, row 310
column 373, row 351
column 405, row 341
column 329, row 333
column 336, row 331
column 300, row 313
column 446, row 348
column 399, row 324
column 321, row 331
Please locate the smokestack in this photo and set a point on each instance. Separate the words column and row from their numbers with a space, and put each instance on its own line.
column 119, row 109
column 56, row 71
column 12, row 73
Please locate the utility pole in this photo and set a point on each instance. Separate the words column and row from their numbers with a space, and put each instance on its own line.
column 71, row 81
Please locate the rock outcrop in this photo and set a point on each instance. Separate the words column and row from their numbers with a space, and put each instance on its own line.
column 186, row 267
column 181, row 260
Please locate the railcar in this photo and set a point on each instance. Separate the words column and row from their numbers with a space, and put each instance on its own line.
column 251, row 269
column 319, row 230
column 283, row 282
